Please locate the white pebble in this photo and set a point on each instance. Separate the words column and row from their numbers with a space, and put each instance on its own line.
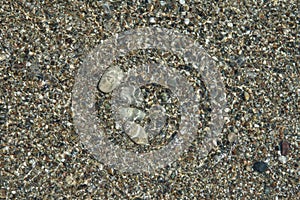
column 227, row 110
column 28, row 64
column 186, row 21
column 282, row 159
column 162, row 3
column 152, row 20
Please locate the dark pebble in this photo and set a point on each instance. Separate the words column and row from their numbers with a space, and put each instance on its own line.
column 260, row 166
column 284, row 148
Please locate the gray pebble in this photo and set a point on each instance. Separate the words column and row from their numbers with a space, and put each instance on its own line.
column 260, row 166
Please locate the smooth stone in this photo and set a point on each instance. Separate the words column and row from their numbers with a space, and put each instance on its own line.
column 282, row 159
column 2, row 57
column 260, row 166
column 111, row 79
column 246, row 96
column 284, row 148
column 136, row 133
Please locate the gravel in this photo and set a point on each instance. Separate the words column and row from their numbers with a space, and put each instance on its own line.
column 44, row 43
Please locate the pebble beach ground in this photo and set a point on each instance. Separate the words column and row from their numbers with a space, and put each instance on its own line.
column 44, row 43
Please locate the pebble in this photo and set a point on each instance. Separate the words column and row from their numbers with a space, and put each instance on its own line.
column 131, row 95
column 70, row 179
column 157, row 114
column 111, row 79
column 282, row 159
column 2, row 193
column 186, row 21
column 260, row 166
column 246, row 96
column 137, row 133
column 230, row 25
column 152, row 20
column 162, row 3
column 284, row 148
column 3, row 113
column 227, row 110
column 232, row 137
column 267, row 190
column 2, row 57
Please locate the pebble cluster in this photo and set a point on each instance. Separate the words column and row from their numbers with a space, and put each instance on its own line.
column 43, row 44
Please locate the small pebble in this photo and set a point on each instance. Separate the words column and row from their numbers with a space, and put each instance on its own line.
column 70, row 179
column 282, row 159
column 162, row 3
column 246, row 96
column 230, row 25
column 2, row 57
column 267, row 190
column 137, row 133
column 186, row 21
column 260, row 166
column 284, row 148
column 152, row 20
column 232, row 137
column 227, row 110
column 110, row 79
column 2, row 193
